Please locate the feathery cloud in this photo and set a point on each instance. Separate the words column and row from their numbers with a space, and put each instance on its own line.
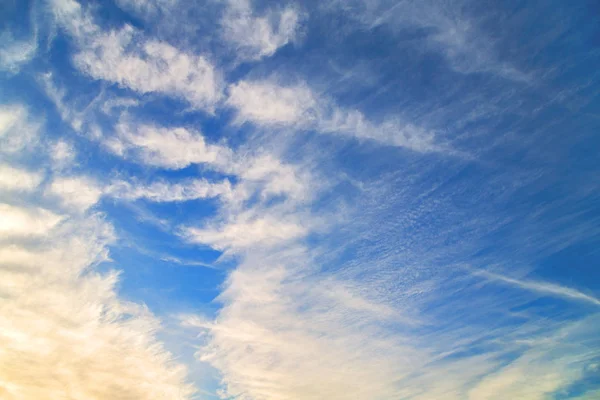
column 168, row 148
column 15, row 53
column 270, row 104
column 143, row 65
column 257, row 36
column 162, row 191
column 540, row 287
column 65, row 331
column 17, row 132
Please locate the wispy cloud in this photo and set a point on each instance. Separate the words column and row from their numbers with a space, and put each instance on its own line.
column 257, row 36
column 147, row 8
column 171, row 148
column 246, row 231
column 271, row 104
column 450, row 31
column 143, row 65
column 329, row 209
column 58, row 310
column 17, row 130
column 53, row 314
column 15, row 53
column 162, row 191
column 544, row 288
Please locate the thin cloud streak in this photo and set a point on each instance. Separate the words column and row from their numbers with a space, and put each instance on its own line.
column 540, row 287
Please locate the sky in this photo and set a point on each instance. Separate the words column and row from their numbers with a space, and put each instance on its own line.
column 299, row 200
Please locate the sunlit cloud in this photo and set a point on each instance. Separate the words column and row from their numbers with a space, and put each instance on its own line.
column 269, row 201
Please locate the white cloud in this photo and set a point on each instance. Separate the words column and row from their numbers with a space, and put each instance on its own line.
column 248, row 217
column 116, row 103
column 17, row 221
column 515, row 382
column 66, row 333
column 257, row 36
column 15, row 179
column 270, row 104
column 63, row 154
column 176, row 148
column 126, row 58
column 151, row 67
column 16, row 131
column 79, row 193
column 172, row 148
column 246, row 231
column 254, row 209
column 283, row 335
column 287, row 331
column 554, row 362
column 163, row 191
column 541, row 287
column 391, row 132
column 268, row 175
column 15, row 53
column 146, row 8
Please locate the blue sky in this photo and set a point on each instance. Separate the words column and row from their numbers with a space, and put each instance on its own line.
column 253, row 200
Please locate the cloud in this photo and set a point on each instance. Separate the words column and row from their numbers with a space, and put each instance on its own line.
column 15, row 53
column 178, row 147
column 168, row 148
column 163, row 191
column 66, row 332
column 14, row 179
column 558, row 360
column 459, row 37
column 286, row 331
column 79, row 193
column 392, row 132
column 20, row 222
column 17, row 132
column 151, row 67
column 253, row 211
column 67, row 111
column 271, row 177
column 17, row 50
column 246, row 231
column 280, row 337
column 346, row 284
column 267, row 103
column 63, row 154
column 293, row 324
column 126, row 58
column 146, row 8
column 254, row 36
column 541, row 287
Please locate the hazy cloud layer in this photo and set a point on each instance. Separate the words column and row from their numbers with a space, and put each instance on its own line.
column 349, row 200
